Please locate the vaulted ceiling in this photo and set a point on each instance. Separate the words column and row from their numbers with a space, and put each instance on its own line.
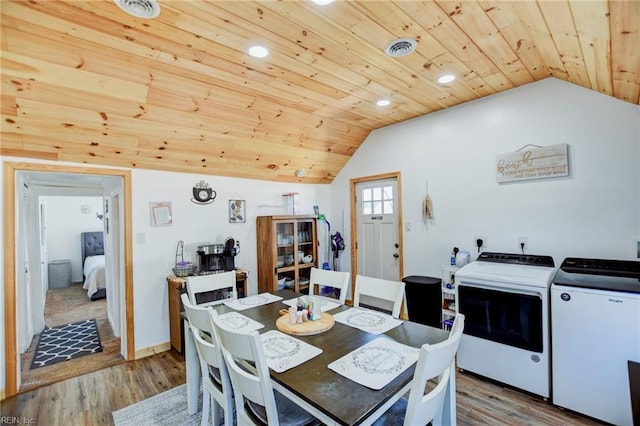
column 83, row 81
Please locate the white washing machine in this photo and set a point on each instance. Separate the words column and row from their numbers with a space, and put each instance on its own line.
column 505, row 300
column 595, row 329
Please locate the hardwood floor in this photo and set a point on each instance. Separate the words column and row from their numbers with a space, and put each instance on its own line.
column 90, row 399
column 65, row 306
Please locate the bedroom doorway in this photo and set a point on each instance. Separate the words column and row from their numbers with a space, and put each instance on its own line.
column 71, row 227
column 19, row 266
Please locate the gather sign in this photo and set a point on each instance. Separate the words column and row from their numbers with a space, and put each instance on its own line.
column 533, row 163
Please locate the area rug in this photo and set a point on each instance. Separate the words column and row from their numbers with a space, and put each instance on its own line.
column 167, row 408
column 67, row 342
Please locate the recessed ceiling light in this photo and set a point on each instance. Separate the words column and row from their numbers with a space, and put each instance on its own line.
column 258, row 51
column 322, row 2
column 300, row 173
column 146, row 9
column 447, row 78
column 383, row 102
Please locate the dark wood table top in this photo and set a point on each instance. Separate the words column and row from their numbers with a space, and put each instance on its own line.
column 344, row 400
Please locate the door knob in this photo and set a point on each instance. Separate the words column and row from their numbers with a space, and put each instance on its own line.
column 396, row 255
column 396, row 245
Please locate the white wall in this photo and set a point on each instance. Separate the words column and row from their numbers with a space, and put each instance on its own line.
column 595, row 212
column 197, row 224
column 67, row 217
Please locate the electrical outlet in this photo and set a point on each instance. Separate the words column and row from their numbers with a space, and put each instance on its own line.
column 523, row 243
column 482, row 247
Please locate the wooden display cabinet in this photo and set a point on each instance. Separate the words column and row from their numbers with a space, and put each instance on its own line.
column 287, row 250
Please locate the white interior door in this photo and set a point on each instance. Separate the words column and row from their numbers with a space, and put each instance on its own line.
column 378, row 242
column 115, row 306
column 44, row 256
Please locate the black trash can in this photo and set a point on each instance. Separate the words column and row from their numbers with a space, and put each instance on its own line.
column 424, row 296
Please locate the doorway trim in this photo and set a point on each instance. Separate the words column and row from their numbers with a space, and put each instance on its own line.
column 354, row 225
column 10, row 309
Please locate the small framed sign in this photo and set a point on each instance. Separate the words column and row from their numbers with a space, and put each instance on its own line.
column 237, row 211
column 161, row 214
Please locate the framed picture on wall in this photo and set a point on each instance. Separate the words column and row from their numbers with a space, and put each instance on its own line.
column 237, row 211
column 161, row 214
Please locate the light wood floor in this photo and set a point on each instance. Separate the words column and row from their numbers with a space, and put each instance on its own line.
column 90, row 399
column 64, row 306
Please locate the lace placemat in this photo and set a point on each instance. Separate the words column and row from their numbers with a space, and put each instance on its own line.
column 373, row 322
column 377, row 363
column 239, row 322
column 284, row 352
column 252, row 301
column 326, row 304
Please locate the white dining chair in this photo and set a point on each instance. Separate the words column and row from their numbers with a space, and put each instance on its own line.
column 256, row 402
column 390, row 292
column 216, row 384
column 325, row 278
column 224, row 282
column 434, row 362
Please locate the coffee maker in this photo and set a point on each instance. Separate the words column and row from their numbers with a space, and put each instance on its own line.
column 214, row 258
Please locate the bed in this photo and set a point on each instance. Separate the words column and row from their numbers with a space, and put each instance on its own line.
column 93, row 264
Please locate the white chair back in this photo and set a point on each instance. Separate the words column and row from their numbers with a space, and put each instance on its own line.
column 325, row 278
column 216, row 382
column 386, row 290
column 197, row 316
column 224, row 282
column 249, row 382
column 434, row 362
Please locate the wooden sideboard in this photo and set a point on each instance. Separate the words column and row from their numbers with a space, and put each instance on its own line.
column 176, row 287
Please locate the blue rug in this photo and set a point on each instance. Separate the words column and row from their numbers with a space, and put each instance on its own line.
column 67, row 342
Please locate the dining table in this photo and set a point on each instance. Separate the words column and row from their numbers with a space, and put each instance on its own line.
column 329, row 396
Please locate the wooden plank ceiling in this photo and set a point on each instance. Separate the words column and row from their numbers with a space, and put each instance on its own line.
column 82, row 81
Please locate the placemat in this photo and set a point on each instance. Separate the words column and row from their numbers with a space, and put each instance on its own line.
column 373, row 322
column 239, row 322
column 252, row 301
column 377, row 363
column 284, row 352
column 326, row 304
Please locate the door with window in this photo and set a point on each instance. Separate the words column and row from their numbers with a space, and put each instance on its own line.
column 378, row 240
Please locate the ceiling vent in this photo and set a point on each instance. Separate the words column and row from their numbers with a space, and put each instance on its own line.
column 146, row 9
column 400, row 47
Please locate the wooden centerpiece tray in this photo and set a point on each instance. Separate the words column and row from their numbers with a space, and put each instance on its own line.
column 307, row 328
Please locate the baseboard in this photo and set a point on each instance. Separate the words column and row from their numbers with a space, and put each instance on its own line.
column 152, row 350
column 2, row 394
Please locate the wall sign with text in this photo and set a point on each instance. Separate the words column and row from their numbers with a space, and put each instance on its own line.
column 533, row 163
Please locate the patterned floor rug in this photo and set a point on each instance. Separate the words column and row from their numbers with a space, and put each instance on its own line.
column 168, row 408
column 67, row 342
